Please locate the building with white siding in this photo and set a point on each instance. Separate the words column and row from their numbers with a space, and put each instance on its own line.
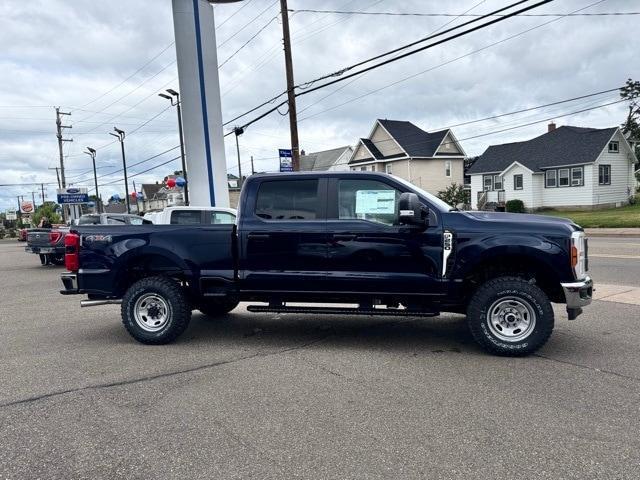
column 567, row 167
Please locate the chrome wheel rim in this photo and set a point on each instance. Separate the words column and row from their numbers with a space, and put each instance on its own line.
column 151, row 312
column 511, row 319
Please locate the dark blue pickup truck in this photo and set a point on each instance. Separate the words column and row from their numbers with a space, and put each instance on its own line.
column 333, row 239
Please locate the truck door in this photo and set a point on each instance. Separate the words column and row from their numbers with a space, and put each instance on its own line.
column 283, row 236
column 369, row 251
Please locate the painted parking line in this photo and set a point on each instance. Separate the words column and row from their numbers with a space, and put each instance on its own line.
column 611, row 255
column 617, row 293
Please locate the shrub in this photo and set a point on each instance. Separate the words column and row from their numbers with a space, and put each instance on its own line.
column 454, row 194
column 1, row 234
column 515, row 206
column 12, row 233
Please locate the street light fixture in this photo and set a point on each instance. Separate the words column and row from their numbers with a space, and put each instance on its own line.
column 174, row 98
column 120, row 136
column 92, row 153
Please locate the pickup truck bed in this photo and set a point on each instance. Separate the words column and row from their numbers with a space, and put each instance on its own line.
column 361, row 238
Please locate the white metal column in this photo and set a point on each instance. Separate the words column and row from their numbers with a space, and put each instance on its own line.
column 194, row 27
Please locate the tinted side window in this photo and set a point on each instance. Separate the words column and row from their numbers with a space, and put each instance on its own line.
column 368, row 200
column 135, row 220
column 186, row 217
column 288, row 200
column 116, row 221
column 89, row 220
column 219, row 218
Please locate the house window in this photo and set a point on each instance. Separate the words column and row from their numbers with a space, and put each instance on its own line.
column 604, row 174
column 551, row 178
column 517, row 182
column 497, row 182
column 363, row 169
column 447, row 168
column 577, row 177
column 487, row 182
column 614, row 147
column 388, row 168
column 563, row 177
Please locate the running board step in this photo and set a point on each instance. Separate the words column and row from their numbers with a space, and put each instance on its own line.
column 341, row 311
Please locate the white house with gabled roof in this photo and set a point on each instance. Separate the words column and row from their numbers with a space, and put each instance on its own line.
column 430, row 160
column 567, row 167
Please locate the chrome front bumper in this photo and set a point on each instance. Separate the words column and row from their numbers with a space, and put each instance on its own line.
column 577, row 295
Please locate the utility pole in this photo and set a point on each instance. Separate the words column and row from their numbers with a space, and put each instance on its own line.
column 33, row 200
column 293, row 116
column 120, row 136
column 253, row 171
column 238, row 131
column 42, row 190
column 59, row 127
column 57, row 169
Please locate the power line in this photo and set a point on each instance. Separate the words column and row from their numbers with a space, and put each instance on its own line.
column 473, row 52
column 247, row 42
column 414, row 14
column 143, row 171
column 247, row 24
column 244, row 4
column 131, row 76
column 406, row 54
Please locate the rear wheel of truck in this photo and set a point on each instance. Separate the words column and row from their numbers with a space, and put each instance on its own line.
column 218, row 307
column 510, row 316
column 155, row 310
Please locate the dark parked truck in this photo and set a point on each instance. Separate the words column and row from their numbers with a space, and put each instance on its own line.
column 369, row 240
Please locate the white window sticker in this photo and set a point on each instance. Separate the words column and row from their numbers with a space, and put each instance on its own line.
column 376, row 201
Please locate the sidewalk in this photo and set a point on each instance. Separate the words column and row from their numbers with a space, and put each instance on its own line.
column 612, row 232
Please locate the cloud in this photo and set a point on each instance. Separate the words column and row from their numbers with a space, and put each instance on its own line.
column 73, row 54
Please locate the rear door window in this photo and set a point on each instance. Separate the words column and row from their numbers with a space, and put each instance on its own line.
column 89, row 220
column 221, row 218
column 116, row 220
column 186, row 217
column 288, row 200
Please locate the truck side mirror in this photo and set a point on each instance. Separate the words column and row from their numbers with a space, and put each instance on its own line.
column 412, row 211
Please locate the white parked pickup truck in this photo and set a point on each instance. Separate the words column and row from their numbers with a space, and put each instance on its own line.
column 192, row 216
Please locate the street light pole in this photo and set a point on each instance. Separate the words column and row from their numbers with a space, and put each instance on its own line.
column 177, row 104
column 92, row 153
column 120, row 136
column 238, row 131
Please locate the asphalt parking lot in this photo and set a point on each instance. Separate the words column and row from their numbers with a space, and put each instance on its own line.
column 284, row 396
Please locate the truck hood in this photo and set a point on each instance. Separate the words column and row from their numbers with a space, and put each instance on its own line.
column 523, row 219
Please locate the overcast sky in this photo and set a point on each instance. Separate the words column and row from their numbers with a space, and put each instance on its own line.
column 105, row 62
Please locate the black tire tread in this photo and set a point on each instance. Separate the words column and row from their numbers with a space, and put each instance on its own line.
column 181, row 309
column 217, row 308
column 483, row 295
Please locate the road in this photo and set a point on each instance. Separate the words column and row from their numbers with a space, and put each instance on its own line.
column 615, row 260
column 282, row 396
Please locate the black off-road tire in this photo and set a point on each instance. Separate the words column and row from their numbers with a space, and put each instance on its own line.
column 520, row 289
column 218, row 307
column 178, row 310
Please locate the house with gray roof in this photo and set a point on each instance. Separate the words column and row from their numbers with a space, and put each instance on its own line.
column 430, row 160
column 334, row 159
column 567, row 167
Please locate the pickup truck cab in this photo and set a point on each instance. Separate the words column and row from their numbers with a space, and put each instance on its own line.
column 190, row 215
column 365, row 239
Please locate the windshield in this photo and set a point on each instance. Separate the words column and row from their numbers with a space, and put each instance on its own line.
column 442, row 206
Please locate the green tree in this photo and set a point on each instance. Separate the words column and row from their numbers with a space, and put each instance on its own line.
column 48, row 209
column 631, row 126
column 454, row 194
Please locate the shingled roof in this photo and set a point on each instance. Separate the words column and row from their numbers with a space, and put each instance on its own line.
column 563, row 146
column 320, row 161
column 413, row 140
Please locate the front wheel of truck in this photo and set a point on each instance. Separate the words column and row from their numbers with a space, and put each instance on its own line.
column 155, row 310
column 510, row 316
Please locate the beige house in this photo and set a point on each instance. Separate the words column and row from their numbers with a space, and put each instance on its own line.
column 430, row 160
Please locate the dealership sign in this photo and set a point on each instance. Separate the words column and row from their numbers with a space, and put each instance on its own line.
column 11, row 215
column 72, row 195
column 26, row 207
column 286, row 160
